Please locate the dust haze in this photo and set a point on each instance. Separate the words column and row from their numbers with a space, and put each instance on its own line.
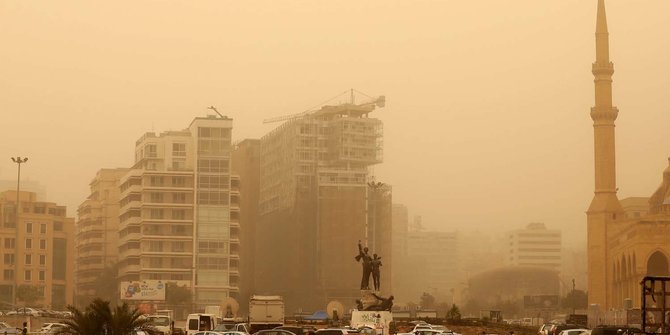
column 487, row 121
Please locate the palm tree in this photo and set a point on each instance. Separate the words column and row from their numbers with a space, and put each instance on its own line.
column 82, row 323
column 99, row 319
column 124, row 320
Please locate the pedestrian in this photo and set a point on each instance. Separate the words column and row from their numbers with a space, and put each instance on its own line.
column 25, row 329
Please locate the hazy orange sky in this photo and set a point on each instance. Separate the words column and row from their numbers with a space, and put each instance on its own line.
column 487, row 121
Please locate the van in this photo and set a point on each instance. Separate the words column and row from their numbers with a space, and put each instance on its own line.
column 200, row 322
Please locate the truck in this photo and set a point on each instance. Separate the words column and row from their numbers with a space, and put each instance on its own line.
column 265, row 312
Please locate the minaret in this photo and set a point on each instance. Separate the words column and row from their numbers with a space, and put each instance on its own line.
column 605, row 208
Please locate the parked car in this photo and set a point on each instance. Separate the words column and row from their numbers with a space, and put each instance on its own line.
column 558, row 328
column 296, row 330
column 25, row 311
column 274, row 332
column 47, row 326
column 334, row 331
column 613, row 330
column 577, row 331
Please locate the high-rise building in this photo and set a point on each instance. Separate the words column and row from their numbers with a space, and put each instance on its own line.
column 179, row 211
column 316, row 201
column 246, row 164
column 400, row 228
column 97, row 232
column 436, row 269
column 39, row 254
column 535, row 246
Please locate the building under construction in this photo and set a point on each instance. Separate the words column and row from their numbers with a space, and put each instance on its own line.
column 317, row 201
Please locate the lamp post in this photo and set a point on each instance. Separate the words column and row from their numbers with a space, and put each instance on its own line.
column 18, row 160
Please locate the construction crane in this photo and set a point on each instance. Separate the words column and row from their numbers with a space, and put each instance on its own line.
column 346, row 108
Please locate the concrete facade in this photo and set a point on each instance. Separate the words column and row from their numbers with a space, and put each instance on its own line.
column 246, row 165
column 315, row 204
column 39, row 253
column 179, row 211
column 535, row 246
column 97, row 238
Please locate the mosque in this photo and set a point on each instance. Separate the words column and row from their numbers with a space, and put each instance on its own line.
column 629, row 238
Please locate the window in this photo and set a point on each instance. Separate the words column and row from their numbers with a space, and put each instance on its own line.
column 150, row 151
column 213, row 165
column 156, row 181
column 42, row 275
column 179, row 181
column 28, row 275
column 58, row 226
column 43, row 244
column 9, row 243
column 178, row 214
column 179, row 198
column 8, row 275
column 29, row 259
column 43, row 260
column 29, row 243
column 178, row 165
column 178, row 246
column 9, row 259
column 43, row 228
column 156, row 246
column 156, row 213
column 29, row 227
column 156, row 197
column 179, row 149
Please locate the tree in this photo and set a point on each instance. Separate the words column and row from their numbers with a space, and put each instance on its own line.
column 98, row 318
column 576, row 299
column 177, row 295
column 29, row 294
column 454, row 314
column 427, row 301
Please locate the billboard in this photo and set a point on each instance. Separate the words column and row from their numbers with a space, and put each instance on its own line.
column 143, row 290
column 540, row 301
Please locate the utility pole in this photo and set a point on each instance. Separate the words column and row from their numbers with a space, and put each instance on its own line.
column 573, row 296
column 18, row 160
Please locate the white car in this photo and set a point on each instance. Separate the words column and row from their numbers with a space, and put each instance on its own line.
column 49, row 325
column 25, row 311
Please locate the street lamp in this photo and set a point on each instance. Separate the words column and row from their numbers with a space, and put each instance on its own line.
column 18, row 160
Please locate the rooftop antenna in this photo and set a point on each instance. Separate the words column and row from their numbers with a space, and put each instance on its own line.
column 217, row 112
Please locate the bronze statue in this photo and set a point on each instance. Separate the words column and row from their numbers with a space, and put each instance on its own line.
column 367, row 265
column 382, row 305
column 375, row 264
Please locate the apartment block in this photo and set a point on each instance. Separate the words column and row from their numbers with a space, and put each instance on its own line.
column 37, row 249
column 316, row 202
column 535, row 246
column 179, row 211
column 97, row 238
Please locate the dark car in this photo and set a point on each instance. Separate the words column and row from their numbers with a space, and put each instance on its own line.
column 614, row 330
column 297, row 330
